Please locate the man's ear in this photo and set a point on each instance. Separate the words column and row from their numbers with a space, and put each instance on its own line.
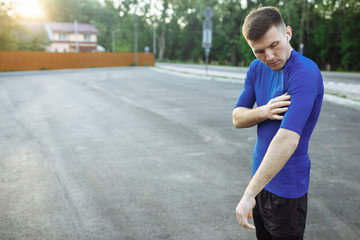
column 288, row 32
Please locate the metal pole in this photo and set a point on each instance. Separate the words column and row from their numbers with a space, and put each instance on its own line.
column 154, row 40
column 113, row 41
column 207, row 52
column 207, row 57
column 136, row 39
column 76, row 36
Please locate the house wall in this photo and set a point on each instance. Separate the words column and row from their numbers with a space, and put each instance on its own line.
column 72, row 37
column 68, row 45
column 59, row 47
column 24, row 61
column 81, row 37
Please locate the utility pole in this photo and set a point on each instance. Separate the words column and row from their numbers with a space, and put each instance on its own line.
column 207, row 33
column 76, row 36
column 154, row 39
column 113, row 40
column 136, row 37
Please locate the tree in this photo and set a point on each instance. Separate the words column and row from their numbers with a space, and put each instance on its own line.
column 106, row 21
column 68, row 10
column 329, row 29
column 163, row 19
column 32, row 37
column 350, row 35
column 8, row 28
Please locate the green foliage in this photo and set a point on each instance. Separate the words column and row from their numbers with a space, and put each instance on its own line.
column 17, row 36
column 8, row 28
column 349, row 45
column 329, row 29
column 32, row 39
column 69, row 10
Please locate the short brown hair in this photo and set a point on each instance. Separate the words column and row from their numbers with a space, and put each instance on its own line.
column 259, row 21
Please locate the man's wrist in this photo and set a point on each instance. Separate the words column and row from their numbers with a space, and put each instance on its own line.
column 248, row 194
column 262, row 112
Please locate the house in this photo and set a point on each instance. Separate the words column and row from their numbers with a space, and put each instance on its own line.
column 63, row 38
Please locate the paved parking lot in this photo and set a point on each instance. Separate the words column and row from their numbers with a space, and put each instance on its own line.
column 135, row 153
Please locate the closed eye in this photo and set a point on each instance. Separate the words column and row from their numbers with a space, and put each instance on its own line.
column 259, row 51
column 274, row 44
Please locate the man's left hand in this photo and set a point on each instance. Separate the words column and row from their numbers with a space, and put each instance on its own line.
column 244, row 211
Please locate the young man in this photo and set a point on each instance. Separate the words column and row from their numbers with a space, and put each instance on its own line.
column 288, row 90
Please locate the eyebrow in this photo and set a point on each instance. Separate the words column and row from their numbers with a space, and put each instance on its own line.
column 271, row 45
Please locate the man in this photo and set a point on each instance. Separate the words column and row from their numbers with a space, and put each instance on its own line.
column 288, row 90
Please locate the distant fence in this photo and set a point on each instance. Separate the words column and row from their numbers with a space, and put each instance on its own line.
column 23, row 61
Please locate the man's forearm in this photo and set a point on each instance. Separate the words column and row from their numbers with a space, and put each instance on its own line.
column 280, row 150
column 245, row 117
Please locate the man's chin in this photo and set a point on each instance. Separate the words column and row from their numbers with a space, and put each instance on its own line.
column 275, row 67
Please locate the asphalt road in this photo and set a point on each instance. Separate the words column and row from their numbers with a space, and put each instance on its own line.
column 133, row 153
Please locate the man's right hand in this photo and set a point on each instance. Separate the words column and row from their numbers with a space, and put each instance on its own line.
column 245, row 117
column 276, row 106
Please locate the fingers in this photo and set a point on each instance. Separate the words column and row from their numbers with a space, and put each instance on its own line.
column 278, row 105
column 274, row 114
column 249, row 226
column 277, row 111
column 285, row 95
column 244, row 211
column 244, row 222
column 281, row 98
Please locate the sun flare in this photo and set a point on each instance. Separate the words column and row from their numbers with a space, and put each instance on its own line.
column 27, row 8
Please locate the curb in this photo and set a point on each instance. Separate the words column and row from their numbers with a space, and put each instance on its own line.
column 329, row 97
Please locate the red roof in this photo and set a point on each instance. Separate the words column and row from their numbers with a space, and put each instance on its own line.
column 70, row 27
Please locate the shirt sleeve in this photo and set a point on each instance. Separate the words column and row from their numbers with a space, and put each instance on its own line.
column 303, row 89
column 247, row 97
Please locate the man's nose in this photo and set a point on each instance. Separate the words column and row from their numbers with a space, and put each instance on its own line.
column 269, row 54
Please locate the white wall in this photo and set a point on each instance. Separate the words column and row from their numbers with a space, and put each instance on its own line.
column 71, row 37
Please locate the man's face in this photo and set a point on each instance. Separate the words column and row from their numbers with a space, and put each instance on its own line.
column 273, row 48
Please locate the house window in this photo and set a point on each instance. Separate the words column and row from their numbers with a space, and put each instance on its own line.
column 87, row 37
column 62, row 36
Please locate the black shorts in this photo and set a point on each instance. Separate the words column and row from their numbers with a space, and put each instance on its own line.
column 279, row 218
